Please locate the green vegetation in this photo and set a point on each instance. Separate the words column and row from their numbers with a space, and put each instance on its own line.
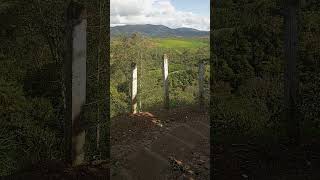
column 184, row 56
column 32, row 84
column 248, row 71
column 258, row 120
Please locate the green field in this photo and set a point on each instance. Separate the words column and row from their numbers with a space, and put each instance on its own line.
column 180, row 43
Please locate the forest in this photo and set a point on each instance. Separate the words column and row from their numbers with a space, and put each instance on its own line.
column 32, row 34
column 253, row 76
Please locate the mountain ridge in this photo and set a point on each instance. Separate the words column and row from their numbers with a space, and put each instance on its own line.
column 157, row 31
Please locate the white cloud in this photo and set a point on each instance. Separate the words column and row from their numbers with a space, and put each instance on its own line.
column 154, row 12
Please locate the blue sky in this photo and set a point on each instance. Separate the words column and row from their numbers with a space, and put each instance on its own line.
column 201, row 7
column 172, row 13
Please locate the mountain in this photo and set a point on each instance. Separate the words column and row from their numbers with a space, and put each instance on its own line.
column 157, row 31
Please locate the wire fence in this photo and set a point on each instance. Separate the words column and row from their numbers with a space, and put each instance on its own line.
column 183, row 84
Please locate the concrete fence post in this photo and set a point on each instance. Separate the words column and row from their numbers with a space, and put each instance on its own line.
column 75, row 81
column 134, row 87
column 165, row 81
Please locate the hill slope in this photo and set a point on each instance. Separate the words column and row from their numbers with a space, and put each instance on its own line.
column 157, row 31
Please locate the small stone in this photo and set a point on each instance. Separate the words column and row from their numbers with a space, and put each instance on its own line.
column 190, row 171
column 244, row 176
column 308, row 163
column 201, row 161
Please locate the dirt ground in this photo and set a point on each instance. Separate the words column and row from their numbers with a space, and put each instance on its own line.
column 164, row 144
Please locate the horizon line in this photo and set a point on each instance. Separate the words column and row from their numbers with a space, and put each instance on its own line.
column 117, row 25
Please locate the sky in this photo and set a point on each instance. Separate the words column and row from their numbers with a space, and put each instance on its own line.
column 172, row 13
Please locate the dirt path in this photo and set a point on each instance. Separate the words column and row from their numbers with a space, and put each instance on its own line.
column 161, row 145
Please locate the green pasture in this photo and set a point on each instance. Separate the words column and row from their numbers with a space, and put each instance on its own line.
column 180, row 43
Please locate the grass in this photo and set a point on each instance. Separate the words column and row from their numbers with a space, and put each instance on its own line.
column 177, row 43
column 180, row 43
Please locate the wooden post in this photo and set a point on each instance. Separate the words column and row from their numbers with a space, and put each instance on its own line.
column 165, row 81
column 201, row 83
column 134, row 88
column 75, row 77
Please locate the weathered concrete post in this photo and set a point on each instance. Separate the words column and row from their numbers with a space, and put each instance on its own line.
column 165, row 81
column 134, row 88
column 75, row 81
column 201, row 83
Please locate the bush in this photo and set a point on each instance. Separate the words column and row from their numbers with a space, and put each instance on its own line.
column 118, row 102
column 25, row 135
column 236, row 115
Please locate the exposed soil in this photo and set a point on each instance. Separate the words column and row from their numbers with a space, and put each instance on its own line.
column 174, row 145
column 166, row 144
